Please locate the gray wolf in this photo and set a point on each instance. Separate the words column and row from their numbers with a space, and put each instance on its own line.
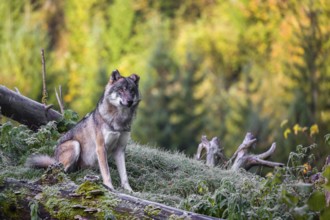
column 105, row 131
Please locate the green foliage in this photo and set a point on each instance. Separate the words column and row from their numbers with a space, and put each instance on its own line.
column 19, row 142
column 316, row 201
column 162, row 74
column 121, row 16
column 327, row 139
column 34, row 206
column 297, row 158
column 326, row 174
column 22, row 35
column 70, row 118
column 247, row 201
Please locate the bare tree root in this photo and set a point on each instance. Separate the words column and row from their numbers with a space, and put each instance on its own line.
column 214, row 152
column 240, row 159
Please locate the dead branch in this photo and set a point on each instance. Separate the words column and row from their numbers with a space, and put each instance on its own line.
column 214, row 152
column 44, row 88
column 59, row 98
column 240, row 159
column 17, row 90
column 24, row 110
column 247, row 143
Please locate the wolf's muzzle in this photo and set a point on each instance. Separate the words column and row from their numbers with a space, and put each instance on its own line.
column 127, row 103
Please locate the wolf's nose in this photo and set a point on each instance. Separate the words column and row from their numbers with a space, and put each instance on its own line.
column 129, row 103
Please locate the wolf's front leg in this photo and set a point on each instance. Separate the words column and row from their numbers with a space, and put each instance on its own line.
column 103, row 165
column 119, row 156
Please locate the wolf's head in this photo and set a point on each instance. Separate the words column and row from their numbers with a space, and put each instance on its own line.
column 123, row 92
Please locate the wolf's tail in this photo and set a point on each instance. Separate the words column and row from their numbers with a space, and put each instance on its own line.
column 39, row 161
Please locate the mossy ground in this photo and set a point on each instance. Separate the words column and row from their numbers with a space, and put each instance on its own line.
column 154, row 174
column 168, row 177
column 161, row 175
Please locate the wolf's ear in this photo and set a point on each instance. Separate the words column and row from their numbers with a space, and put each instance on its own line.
column 135, row 78
column 114, row 76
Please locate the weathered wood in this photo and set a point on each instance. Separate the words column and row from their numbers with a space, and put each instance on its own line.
column 24, row 110
column 59, row 98
column 164, row 211
column 240, row 159
column 214, row 152
column 59, row 198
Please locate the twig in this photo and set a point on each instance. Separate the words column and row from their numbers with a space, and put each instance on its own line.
column 47, row 107
column 16, row 89
column 44, row 89
column 60, row 99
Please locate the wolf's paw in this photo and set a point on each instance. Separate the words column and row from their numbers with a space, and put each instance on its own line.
column 128, row 188
column 109, row 186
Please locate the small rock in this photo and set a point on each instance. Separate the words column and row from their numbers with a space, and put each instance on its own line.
column 74, row 195
column 90, row 210
column 77, row 206
column 92, row 178
column 78, row 217
column 96, row 192
column 38, row 196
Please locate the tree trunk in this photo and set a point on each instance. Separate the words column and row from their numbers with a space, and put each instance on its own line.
column 24, row 110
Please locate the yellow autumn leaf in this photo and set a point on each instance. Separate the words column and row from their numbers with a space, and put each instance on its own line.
column 284, row 122
column 296, row 128
column 68, row 98
column 286, row 133
column 314, row 129
column 307, row 168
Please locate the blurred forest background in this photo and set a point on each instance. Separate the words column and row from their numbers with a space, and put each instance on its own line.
column 219, row 68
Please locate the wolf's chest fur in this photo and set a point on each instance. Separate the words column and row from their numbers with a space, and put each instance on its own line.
column 113, row 140
column 117, row 119
column 116, row 132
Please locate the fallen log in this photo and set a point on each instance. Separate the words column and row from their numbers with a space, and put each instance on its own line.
column 240, row 159
column 54, row 196
column 24, row 110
